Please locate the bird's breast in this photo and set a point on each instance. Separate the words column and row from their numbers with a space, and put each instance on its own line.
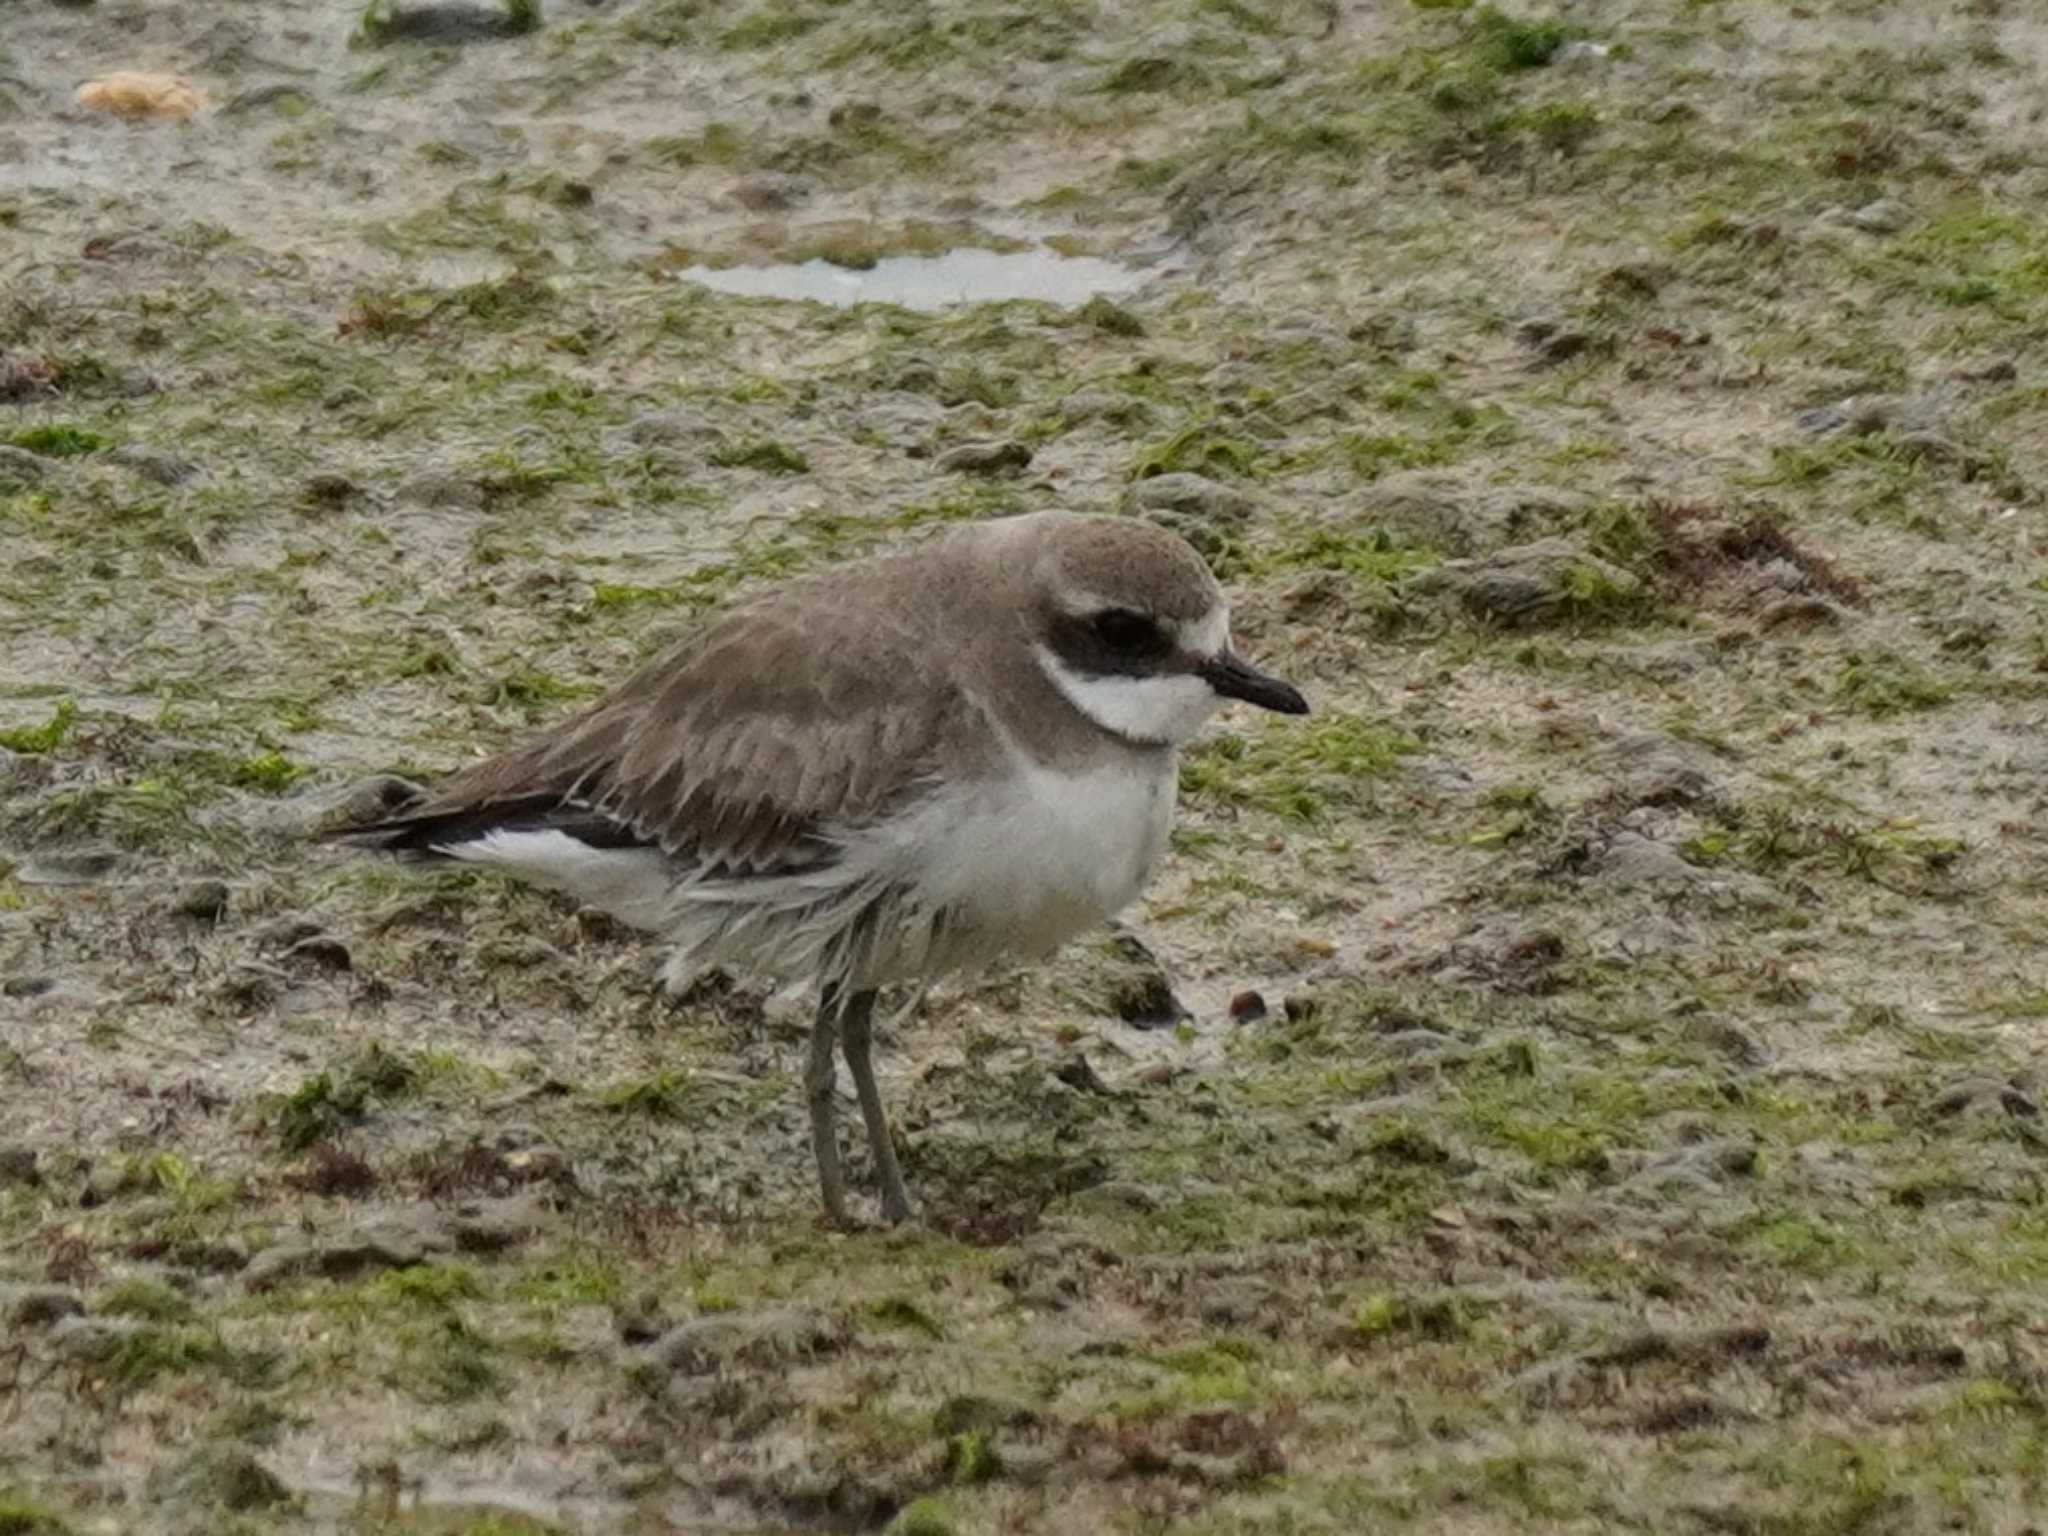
column 1027, row 863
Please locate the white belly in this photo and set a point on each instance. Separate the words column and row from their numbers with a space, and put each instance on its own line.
column 1013, row 868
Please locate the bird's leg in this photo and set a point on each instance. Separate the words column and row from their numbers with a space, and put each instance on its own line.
column 820, row 1079
column 856, row 1033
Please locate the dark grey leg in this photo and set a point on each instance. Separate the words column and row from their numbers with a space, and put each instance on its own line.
column 819, row 1081
column 855, row 1036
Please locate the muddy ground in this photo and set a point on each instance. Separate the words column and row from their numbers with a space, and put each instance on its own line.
column 1629, row 427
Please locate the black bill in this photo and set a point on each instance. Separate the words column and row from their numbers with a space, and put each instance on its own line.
column 1235, row 678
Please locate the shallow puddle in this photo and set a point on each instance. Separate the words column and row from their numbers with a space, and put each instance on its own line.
column 967, row 275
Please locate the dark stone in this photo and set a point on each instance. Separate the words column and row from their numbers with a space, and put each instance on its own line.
column 329, row 492
column 1139, row 992
column 991, row 458
column 204, row 901
column 1248, row 1007
column 450, row 23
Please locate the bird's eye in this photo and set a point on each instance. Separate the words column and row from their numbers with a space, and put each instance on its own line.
column 1122, row 630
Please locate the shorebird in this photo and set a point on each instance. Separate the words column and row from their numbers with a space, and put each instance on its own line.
column 907, row 766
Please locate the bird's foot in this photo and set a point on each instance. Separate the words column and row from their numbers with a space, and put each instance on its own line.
column 896, row 1208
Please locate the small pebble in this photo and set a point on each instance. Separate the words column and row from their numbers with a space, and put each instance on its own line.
column 1247, row 1007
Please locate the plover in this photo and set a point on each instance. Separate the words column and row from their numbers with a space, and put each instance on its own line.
column 907, row 766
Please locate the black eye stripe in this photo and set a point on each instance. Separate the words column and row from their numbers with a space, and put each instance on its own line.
column 1117, row 642
column 1124, row 630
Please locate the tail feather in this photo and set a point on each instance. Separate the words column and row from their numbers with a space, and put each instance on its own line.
column 429, row 833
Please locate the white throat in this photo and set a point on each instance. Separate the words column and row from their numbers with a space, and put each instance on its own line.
column 1159, row 711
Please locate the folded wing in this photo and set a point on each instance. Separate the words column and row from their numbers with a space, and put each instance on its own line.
column 747, row 750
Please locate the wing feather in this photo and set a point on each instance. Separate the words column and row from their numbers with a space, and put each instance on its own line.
column 743, row 750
